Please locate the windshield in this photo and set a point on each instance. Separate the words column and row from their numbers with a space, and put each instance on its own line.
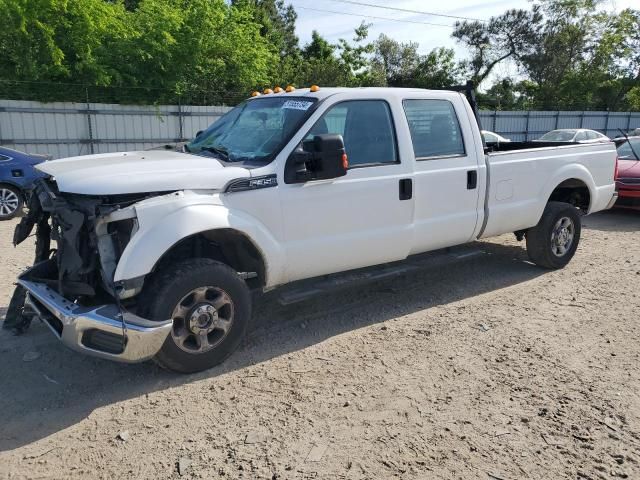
column 625, row 152
column 558, row 136
column 254, row 130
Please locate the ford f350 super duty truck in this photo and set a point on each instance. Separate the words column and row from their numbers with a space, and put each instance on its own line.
column 158, row 251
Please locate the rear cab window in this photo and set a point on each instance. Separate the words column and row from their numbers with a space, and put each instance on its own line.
column 435, row 129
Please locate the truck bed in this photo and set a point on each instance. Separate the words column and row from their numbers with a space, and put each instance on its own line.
column 522, row 176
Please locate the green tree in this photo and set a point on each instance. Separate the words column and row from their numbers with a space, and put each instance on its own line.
column 58, row 40
column 277, row 23
column 343, row 64
column 508, row 36
column 393, row 61
column 400, row 65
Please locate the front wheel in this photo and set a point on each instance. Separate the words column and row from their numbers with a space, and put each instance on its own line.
column 553, row 242
column 210, row 306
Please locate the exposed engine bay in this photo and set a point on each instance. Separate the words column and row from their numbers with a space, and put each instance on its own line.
column 88, row 247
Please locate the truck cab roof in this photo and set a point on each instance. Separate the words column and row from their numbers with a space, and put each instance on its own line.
column 356, row 92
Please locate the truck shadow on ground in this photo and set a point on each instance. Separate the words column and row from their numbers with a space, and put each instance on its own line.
column 60, row 388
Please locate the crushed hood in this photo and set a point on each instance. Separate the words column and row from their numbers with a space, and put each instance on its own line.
column 139, row 172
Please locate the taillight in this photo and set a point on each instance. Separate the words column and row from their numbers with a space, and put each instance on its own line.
column 615, row 171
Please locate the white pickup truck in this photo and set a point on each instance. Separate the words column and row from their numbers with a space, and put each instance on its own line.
column 158, row 251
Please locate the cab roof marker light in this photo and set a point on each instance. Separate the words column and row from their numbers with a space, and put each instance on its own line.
column 290, row 88
column 278, row 90
column 255, row 94
column 267, row 91
column 314, row 88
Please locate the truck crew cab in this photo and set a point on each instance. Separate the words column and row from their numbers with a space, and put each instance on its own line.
column 157, row 251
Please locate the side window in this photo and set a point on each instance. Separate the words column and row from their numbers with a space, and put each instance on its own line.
column 488, row 137
column 592, row 135
column 581, row 136
column 366, row 127
column 435, row 130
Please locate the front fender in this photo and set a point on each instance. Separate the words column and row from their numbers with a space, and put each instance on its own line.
column 158, row 231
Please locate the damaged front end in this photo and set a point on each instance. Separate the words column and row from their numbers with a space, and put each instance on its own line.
column 71, row 287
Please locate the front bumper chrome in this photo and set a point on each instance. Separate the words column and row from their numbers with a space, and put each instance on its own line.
column 96, row 331
column 613, row 200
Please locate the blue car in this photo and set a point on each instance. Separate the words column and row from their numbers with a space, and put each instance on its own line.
column 16, row 178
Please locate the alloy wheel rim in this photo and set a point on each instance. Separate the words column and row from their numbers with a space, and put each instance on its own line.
column 202, row 319
column 562, row 236
column 9, row 202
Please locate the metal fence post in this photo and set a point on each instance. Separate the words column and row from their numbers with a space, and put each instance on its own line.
column 526, row 127
column 629, row 122
column 493, row 125
column 557, row 119
column 91, row 149
column 606, row 124
column 582, row 119
column 180, row 120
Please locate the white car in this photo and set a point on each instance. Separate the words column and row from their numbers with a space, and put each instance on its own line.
column 159, row 251
column 492, row 137
column 578, row 135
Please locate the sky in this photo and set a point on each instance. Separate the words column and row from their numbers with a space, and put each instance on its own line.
column 333, row 26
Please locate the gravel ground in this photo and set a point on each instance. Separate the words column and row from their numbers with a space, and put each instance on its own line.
column 488, row 368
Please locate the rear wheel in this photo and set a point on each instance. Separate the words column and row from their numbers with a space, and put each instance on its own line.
column 10, row 202
column 210, row 306
column 553, row 242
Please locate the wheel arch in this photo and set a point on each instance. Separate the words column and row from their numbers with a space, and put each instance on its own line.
column 573, row 191
column 226, row 245
column 234, row 234
column 569, row 180
column 8, row 183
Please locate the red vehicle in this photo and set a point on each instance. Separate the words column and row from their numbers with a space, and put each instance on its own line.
column 628, row 173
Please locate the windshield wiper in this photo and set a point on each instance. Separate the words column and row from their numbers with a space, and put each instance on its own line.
column 224, row 153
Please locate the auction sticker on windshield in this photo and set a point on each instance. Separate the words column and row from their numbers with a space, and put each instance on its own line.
column 297, row 104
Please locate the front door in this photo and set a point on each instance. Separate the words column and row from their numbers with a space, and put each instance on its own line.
column 364, row 218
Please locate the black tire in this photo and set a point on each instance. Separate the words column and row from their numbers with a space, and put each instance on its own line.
column 547, row 242
column 11, row 201
column 166, row 293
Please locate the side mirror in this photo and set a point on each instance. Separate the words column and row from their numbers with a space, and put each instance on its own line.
column 320, row 158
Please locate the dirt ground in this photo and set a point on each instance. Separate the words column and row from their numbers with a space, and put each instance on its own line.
column 487, row 368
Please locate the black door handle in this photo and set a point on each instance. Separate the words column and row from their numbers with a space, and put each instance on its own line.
column 406, row 189
column 472, row 179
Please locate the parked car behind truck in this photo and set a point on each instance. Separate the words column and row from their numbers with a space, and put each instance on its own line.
column 577, row 135
column 17, row 174
column 158, row 251
column 628, row 173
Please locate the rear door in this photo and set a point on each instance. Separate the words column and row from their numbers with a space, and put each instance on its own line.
column 448, row 172
column 363, row 218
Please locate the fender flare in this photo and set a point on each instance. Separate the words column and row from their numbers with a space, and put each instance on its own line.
column 569, row 172
column 155, row 237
